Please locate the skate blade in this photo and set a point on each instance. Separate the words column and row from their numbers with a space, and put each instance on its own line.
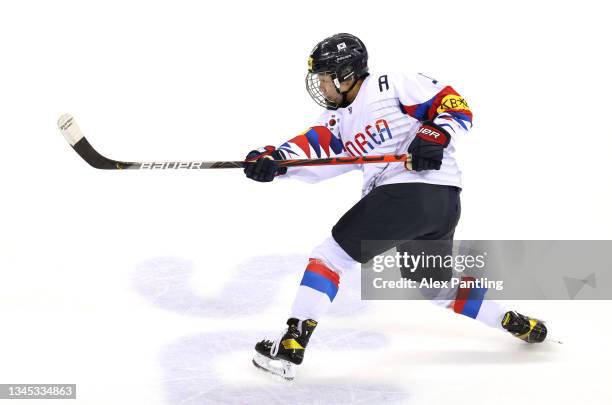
column 281, row 368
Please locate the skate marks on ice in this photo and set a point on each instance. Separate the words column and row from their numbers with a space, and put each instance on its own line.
column 194, row 372
column 167, row 283
column 216, row 367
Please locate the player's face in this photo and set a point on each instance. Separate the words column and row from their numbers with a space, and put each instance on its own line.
column 328, row 88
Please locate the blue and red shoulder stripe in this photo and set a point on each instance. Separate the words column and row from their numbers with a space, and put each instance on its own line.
column 319, row 138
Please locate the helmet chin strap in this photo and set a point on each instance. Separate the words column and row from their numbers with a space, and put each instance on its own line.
column 344, row 103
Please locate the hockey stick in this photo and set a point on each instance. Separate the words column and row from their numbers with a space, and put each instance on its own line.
column 71, row 131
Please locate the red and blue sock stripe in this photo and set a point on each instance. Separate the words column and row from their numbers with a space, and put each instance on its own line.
column 321, row 278
column 469, row 300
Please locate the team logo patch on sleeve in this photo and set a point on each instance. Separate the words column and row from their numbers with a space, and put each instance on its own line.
column 447, row 101
column 452, row 102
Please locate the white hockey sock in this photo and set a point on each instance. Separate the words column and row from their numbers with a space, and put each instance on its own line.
column 491, row 313
column 321, row 280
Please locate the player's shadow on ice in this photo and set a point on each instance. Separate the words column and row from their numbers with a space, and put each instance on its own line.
column 215, row 368
column 167, row 282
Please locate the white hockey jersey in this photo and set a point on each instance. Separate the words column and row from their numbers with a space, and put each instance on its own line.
column 383, row 119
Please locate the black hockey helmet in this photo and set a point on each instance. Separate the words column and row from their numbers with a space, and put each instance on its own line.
column 342, row 56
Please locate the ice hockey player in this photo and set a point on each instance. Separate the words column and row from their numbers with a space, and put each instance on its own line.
column 383, row 113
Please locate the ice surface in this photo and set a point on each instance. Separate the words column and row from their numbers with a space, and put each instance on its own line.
column 398, row 352
column 152, row 287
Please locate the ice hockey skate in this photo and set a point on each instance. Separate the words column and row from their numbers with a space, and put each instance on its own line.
column 525, row 328
column 280, row 357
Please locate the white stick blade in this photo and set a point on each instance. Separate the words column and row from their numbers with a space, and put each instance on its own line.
column 69, row 128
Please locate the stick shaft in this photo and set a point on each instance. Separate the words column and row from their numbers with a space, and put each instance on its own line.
column 281, row 163
column 81, row 145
